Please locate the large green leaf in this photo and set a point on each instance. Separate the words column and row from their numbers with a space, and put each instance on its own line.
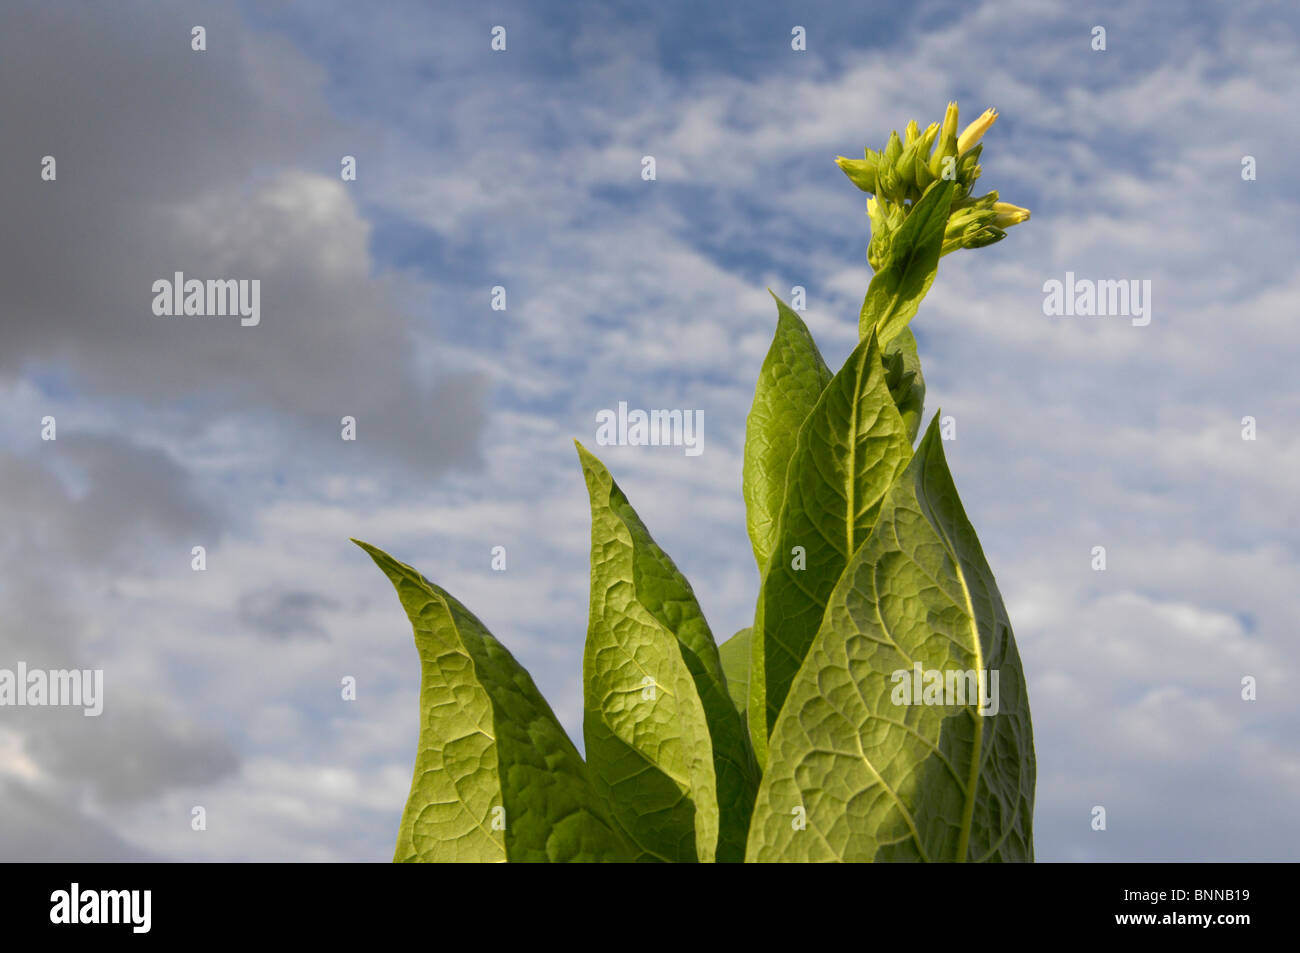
column 793, row 376
column 735, row 655
column 847, row 454
column 896, row 290
column 665, row 745
column 875, row 776
column 496, row 778
column 906, row 384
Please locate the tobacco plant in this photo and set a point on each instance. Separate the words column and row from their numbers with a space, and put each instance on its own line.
column 852, row 721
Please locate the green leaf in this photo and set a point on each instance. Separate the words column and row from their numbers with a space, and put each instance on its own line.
column 735, row 662
column 906, row 383
column 496, row 778
column 666, row 747
column 896, row 290
column 878, row 778
column 847, row 454
column 793, row 376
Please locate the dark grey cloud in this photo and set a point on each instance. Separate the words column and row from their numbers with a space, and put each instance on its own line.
column 92, row 500
column 133, row 750
column 81, row 508
column 219, row 164
column 283, row 614
column 37, row 826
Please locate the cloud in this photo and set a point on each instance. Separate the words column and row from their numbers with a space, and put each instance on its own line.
column 217, row 165
column 77, row 511
column 284, row 613
column 135, row 750
column 38, row 826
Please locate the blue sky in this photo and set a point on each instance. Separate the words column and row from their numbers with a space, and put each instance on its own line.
column 522, row 169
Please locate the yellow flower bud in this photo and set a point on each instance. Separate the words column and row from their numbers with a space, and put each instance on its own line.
column 975, row 131
column 1008, row 214
column 949, row 121
column 893, row 149
column 862, row 172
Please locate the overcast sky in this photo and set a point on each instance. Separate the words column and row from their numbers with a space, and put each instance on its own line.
column 523, row 169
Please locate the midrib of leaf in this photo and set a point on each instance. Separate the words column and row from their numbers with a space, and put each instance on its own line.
column 850, row 515
column 972, row 778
